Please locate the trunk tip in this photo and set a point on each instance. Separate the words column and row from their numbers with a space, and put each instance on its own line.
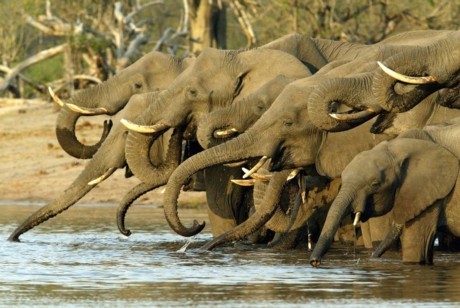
column 14, row 238
column 315, row 262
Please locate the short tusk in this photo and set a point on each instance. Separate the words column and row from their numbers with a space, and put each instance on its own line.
column 145, row 129
column 352, row 116
column 259, row 177
column 404, row 78
column 256, row 167
column 357, row 217
column 236, row 164
column 87, row 111
column 102, row 177
column 225, row 133
column 293, row 174
column 250, row 182
column 55, row 98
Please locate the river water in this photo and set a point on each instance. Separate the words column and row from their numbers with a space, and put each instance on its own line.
column 79, row 259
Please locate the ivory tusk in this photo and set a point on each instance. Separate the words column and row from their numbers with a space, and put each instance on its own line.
column 293, row 174
column 357, row 216
column 406, row 79
column 87, row 111
column 258, row 177
column 55, row 98
column 256, row 167
column 146, row 129
column 225, row 133
column 102, row 177
column 250, row 182
column 236, row 164
column 352, row 116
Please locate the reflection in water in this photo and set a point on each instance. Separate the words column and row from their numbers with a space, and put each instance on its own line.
column 79, row 258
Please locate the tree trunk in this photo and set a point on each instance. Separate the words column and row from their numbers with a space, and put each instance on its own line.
column 207, row 24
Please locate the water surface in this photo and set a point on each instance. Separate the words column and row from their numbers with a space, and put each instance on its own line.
column 79, row 258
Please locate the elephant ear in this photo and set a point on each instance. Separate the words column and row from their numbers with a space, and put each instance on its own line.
column 428, row 173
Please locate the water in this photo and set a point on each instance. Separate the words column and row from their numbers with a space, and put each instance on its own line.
column 79, row 259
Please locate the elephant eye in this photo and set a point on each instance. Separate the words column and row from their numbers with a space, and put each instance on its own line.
column 192, row 92
column 288, row 122
column 375, row 184
column 138, row 85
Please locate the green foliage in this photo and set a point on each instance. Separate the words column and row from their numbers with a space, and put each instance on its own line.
column 47, row 70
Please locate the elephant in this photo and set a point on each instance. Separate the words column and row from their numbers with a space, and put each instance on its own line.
column 111, row 154
column 286, row 134
column 107, row 160
column 217, row 79
column 414, row 178
column 382, row 93
column 439, row 69
column 154, row 71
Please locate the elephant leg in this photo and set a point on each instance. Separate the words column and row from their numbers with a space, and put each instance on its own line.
column 226, row 202
column 417, row 239
column 375, row 229
column 291, row 240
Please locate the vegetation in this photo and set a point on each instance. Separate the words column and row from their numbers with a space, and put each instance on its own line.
column 98, row 38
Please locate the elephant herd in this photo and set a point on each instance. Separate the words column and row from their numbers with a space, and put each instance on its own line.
column 291, row 141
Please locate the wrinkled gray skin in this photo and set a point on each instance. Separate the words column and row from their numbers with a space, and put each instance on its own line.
column 368, row 81
column 439, row 57
column 152, row 72
column 414, row 178
column 216, row 79
column 111, row 154
column 241, row 114
column 286, row 134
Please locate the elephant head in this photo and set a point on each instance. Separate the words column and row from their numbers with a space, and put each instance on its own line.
column 408, row 77
column 227, row 122
column 215, row 80
column 285, row 134
column 152, row 72
column 404, row 175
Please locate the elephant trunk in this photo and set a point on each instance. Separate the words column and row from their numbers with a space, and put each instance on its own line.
column 138, row 145
column 439, row 68
column 354, row 92
column 260, row 216
column 108, row 96
column 234, row 150
column 159, row 178
column 126, row 203
column 97, row 168
column 395, row 96
column 335, row 215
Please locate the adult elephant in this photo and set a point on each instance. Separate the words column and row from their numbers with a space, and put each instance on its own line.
column 413, row 178
column 286, row 134
column 111, row 154
column 152, row 72
column 216, row 79
column 107, row 160
column 385, row 93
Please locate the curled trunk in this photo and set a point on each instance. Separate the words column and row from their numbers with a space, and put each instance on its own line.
column 234, row 150
column 328, row 96
column 335, row 215
column 439, row 62
column 126, row 203
column 159, row 178
column 109, row 95
column 395, row 96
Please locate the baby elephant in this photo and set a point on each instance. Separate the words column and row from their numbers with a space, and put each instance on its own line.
column 415, row 179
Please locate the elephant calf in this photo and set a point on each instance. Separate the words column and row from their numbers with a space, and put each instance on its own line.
column 415, row 177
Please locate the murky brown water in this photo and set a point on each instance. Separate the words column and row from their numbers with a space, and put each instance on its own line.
column 79, row 258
